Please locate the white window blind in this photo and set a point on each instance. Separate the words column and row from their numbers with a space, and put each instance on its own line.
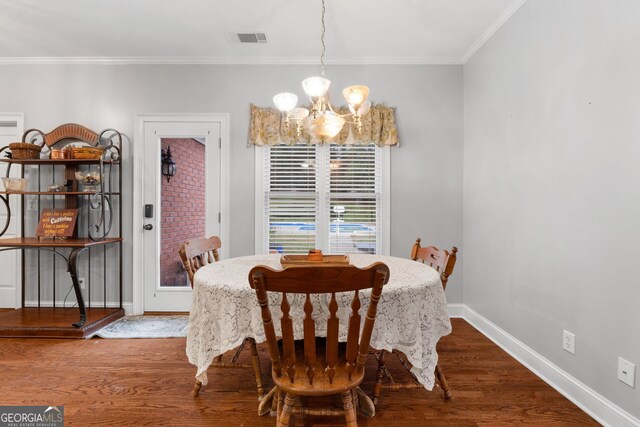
column 291, row 198
column 326, row 197
column 354, row 188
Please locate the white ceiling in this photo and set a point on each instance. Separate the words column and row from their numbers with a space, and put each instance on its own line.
column 358, row 31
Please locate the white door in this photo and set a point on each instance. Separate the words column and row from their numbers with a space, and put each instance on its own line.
column 191, row 206
column 11, row 128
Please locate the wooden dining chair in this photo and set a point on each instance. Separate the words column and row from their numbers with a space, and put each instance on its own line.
column 443, row 262
column 316, row 367
column 195, row 254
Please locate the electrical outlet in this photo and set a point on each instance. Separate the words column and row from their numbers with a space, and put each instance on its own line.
column 81, row 282
column 32, row 204
column 569, row 342
column 627, row 372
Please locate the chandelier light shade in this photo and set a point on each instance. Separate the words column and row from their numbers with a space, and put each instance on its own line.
column 316, row 87
column 362, row 110
column 356, row 95
column 322, row 121
column 324, row 125
column 299, row 114
column 285, row 102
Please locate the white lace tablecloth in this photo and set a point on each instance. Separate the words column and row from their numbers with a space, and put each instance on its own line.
column 412, row 312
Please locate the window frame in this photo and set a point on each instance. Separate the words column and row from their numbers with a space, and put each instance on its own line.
column 385, row 199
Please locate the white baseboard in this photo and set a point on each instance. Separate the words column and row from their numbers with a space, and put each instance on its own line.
column 456, row 310
column 7, row 297
column 128, row 308
column 602, row 410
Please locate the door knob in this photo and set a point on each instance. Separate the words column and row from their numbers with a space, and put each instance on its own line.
column 148, row 227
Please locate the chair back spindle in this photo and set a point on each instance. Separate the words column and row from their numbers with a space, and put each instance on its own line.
column 354, row 325
column 286, row 325
column 333, row 326
column 309, row 339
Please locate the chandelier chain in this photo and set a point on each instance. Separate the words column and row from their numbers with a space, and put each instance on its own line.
column 324, row 47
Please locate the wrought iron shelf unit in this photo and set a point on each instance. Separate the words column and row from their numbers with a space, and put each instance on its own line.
column 30, row 242
column 56, row 161
column 103, row 204
column 57, row 193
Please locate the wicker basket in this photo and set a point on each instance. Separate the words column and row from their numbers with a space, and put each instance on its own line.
column 84, row 153
column 24, row 151
column 14, row 185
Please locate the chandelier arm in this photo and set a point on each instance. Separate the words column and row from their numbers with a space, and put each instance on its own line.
column 328, row 105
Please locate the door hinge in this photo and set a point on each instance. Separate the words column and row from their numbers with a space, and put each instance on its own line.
column 219, row 217
column 219, row 142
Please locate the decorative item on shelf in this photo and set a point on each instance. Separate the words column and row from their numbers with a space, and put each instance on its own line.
column 24, row 151
column 322, row 121
column 58, row 154
column 57, row 223
column 55, row 188
column 167, row 164
column 84, row 153
column 14, row 185
column 90, row 181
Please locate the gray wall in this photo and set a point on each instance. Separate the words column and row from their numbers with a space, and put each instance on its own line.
column 426, row 169
column 551, row 194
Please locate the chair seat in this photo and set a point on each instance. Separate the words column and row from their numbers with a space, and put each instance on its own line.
column 321, row 385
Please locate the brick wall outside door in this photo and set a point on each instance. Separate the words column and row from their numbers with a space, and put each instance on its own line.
column 183, row 207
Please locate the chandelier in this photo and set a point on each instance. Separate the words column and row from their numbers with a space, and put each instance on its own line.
column 322, row 121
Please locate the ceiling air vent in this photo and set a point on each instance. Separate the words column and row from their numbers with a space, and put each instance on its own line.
column 252, row 37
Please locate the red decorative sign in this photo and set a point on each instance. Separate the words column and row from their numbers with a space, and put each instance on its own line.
column 57, row 223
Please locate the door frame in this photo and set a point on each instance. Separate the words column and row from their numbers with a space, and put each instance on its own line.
column 138, row 187
column 16, row 214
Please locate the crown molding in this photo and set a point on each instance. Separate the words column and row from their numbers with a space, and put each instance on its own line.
column 492, row 29
column 223, row 60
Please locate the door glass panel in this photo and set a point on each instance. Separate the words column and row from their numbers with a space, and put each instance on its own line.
column 182, row 207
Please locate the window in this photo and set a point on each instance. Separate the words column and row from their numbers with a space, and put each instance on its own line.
column 332, row 197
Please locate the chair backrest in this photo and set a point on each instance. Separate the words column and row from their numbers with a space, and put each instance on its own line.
column 319, row 280
column 443, row 261
column 199, row 252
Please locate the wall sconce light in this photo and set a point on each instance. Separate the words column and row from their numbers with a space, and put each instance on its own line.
column 167, row 164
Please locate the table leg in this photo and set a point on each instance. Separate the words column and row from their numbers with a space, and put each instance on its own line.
column 265, row 405
column 73, row 272
column 364, row 403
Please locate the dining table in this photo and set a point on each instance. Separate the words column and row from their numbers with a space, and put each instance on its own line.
column 412, row 312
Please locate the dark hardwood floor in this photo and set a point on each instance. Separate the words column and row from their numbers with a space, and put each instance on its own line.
column 149, row 381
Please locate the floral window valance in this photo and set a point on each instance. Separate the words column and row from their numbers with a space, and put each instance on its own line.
column 268, row 127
